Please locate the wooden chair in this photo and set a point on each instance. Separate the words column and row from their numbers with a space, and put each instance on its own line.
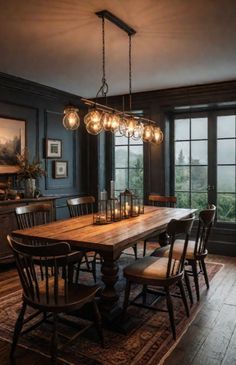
column 197, row 250
column 82, row 206
column 159, row 200
column 50, row 291
column 161, row 272
column 33, row 214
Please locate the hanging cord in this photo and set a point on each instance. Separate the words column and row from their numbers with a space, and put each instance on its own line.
column 130, row 74
column 104, row 87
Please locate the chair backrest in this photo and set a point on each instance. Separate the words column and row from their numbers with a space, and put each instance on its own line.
column 159, row 200
column 206, row 220
column 81, row 206
column 45, row 271
column 33, row 214
column 175, row 229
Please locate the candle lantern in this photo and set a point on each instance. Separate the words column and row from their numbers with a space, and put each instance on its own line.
column 126, row 203
column 115, row 209
column 104, row 213
column 141, row 206
column 135, row 206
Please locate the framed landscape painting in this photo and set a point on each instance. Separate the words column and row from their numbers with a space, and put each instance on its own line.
column 12, row 141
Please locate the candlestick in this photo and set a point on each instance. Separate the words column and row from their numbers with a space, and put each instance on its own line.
column 112, row 189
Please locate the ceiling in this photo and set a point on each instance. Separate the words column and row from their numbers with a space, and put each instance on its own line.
column 178, row 42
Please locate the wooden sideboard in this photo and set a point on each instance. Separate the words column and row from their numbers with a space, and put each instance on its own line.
column 8, row 222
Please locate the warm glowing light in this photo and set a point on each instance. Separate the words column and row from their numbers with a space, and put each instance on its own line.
column 93, row 115
column 157, row 135
column 131, row 124
column 115, row 122
column 147, row 135
column 71, row 120
column 106, row 121
column 138, row 131
column 94, row 127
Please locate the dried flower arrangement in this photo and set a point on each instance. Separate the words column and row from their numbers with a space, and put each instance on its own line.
column 28, row 170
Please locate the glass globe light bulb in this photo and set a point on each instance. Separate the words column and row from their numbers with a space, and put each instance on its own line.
column 106, row 121
column 138, row 131
column 147, row 135
column 157, row 135
column 93, row 115
column 131, row 124
column 71, row 120
column 115, row 122
column 123, row 125
column 94, row 127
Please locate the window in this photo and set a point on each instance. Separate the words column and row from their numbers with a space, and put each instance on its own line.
column 128, row 165
column 205, row 163
column 226, row 167
column 191, row 162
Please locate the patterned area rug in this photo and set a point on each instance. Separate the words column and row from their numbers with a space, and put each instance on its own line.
column 146, row 344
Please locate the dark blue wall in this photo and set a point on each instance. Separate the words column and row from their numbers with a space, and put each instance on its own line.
column 42, row 109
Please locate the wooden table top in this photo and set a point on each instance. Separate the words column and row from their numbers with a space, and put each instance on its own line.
column 80, row 232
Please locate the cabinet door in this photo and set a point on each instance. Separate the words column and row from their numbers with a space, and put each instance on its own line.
column 7, row 225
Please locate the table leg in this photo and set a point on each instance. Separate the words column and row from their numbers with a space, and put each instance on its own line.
column 109, row 297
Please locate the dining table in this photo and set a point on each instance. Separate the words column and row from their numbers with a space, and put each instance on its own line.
column 109, row 240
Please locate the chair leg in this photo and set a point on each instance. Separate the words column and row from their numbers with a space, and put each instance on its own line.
column 195, row 276
column 187, row 282
column 183, row 295
column 127, row 294
column 135, row 248
column 144, row 247
column 144, row 292
column 86, row 261
column 94, row 268
column 171, row 312
column 54, row 340
column 18, row 328
column 98, row 322
column 205, row 272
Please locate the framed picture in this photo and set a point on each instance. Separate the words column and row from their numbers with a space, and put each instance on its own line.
column 60, row 170
column 53, row 148
column 12, row 141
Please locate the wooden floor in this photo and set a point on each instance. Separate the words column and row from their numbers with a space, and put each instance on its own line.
column 210, row 339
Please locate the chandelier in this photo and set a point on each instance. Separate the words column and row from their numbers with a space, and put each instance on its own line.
column 104, row 118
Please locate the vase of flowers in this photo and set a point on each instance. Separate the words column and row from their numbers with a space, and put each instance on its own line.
column 29, row 172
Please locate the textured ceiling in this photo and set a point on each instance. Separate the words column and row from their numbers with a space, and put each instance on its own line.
column 178, row 42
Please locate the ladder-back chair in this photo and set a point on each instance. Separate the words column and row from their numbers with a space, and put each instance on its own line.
column 82, row 206
column 161, row 272
column 197, row 250
column 159, row 200
column 47, row 278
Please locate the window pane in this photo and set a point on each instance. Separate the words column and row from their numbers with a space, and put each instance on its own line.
column 121, row 140
column 199, row 178
column 199, row 128
column 136, row 179
column 182, row 178
column 121, row 156
column 181, row 153
column 226, row 207
column 136, row 156
column 226, row 179
column 182, row 129
column 199, row 201
column 183, row 200
column 226, row 126
column 132, row 141
column 226, row 151
column 199, row 153
column 121, row 179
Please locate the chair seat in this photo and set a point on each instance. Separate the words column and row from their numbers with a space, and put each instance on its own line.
column 77, row 294
column 178, row 248
column 149, row 268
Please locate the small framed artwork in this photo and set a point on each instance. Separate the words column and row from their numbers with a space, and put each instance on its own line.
column 53, row 148
column 60, row 169
column 12, row 142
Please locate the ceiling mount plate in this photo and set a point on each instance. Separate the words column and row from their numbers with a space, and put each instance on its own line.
column 115, row 20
